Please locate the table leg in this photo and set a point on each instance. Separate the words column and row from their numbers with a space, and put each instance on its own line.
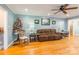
column 30, row 38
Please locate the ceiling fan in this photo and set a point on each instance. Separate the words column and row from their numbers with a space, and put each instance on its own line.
column 63, row 8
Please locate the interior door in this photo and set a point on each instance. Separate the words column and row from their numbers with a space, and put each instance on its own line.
column 70, row 27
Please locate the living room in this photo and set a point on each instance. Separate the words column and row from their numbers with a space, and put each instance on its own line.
column 43, row 27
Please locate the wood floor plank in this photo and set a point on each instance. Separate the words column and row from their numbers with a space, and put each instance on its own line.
column 65, row 46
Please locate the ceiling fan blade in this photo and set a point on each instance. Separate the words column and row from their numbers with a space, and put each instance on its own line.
column 54, row 9
column 71, row 8
column 64, row 11
column 57, row 12
column 65, row 5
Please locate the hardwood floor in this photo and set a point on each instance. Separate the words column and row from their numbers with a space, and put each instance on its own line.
column 66, row 46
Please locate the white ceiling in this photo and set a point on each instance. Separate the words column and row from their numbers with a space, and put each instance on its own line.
column 42, row 10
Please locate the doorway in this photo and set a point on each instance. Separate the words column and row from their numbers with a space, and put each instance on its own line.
column 70, row 27
column 3, row 28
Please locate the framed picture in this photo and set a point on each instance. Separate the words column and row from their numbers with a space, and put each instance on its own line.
column 45, row 21
column 36, row 21
column 53, row 22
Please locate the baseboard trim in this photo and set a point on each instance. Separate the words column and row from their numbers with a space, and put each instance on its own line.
column 76, row 35
column 1, row 47
column 11, row 43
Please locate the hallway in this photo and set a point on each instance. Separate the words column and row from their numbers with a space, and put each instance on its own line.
column 2, row 18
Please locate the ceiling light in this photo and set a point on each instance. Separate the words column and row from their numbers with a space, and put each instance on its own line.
column 26, row 9
column 67, row 15
column 48, row 14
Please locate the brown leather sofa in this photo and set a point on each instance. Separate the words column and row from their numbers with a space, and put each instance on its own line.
column 48, row 34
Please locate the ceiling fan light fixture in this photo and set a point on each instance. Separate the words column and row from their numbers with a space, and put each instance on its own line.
column 26, row 10
column 49, row 14
column 67, row 15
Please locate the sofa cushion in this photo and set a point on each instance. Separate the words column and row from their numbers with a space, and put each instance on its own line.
column 53, row 31
column 48, row 34
column 43, row 31
column 43, row 35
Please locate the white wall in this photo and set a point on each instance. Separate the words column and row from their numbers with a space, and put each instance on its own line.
column 1, row 17
column 75, row 26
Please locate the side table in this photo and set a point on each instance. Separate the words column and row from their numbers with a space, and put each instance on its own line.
column 33, row 37
column 64, row 34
